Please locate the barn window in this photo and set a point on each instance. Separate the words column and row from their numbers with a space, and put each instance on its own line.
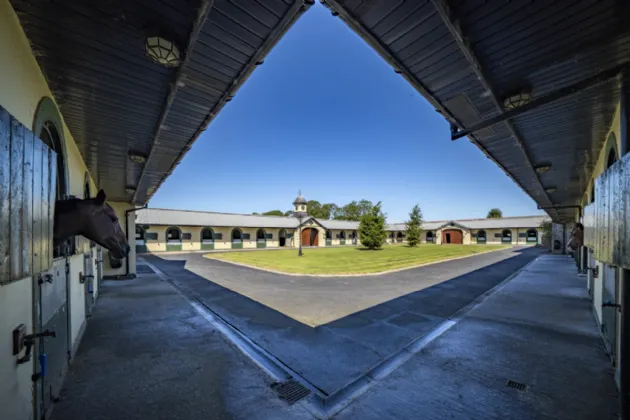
column 506, row 235
column 532, row 235
column 429, row 236
column 207, row 236
column 237, row 236
column 328, row 234
column 399, row 237
column 151, row 236
column 139, row 235
column 354, row 234
column 173, row 235
column 481, row 236
column 342, row 235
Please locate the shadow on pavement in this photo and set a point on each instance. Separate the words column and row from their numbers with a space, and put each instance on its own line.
column 332, row 355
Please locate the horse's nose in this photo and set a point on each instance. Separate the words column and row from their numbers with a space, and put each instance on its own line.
column 125, row 249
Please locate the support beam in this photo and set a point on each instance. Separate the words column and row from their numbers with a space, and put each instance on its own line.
column 453, row 26
column 624, row 274
column 598, row 79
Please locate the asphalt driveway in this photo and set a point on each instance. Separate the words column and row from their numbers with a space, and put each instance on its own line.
column 332, row 330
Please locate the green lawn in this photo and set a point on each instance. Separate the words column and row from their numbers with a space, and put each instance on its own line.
column 351, row 260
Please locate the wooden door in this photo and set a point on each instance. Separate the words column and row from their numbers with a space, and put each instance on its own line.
column 455, row 234
column 314, row 238
column 306, row 237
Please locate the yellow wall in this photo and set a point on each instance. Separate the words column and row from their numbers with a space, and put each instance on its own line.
column 22, row 86
column 194, row 244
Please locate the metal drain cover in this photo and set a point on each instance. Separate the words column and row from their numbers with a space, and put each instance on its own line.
column 291, row 391
column 144, row 269
column 516, row 385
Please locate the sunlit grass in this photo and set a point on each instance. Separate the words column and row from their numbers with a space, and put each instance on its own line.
column 351, row 260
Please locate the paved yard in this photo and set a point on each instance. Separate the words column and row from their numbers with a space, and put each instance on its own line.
column 351, row 259
column 148, row 355
column 332, row 330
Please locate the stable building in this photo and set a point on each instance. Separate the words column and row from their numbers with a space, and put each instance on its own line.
column 164, row 230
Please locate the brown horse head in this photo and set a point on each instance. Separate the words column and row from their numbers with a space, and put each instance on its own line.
column 92, row 218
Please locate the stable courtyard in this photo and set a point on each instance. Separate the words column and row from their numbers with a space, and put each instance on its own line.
column 210, row 339
column 352, row 260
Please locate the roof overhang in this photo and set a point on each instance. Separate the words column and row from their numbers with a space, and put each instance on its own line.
column 116, row 101
column 466, row 59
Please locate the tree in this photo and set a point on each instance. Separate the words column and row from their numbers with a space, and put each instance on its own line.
column 328, row 210
column 495, row 214
column 414, row 224
column 546, row 226
column 288, row 213
column 273, row 213
column 372, row 228
column 255, row 214
column 353, row 210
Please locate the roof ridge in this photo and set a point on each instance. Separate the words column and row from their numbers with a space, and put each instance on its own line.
column 216, row 212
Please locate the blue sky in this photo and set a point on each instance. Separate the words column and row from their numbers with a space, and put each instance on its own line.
column 327, row 115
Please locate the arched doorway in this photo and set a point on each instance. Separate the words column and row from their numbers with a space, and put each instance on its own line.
column 399, row 237
column 430, row 237
column 452, row 236
column 342, row 238
column 141, row 245
column 481, row 237
column 532, row 236
column 50, row 135
column 310, row 237
column 282, row 238
column 173, row 239
column 612, row 150
column 506, row 236
column 207, row 238
column 328, row 238
column 261, row 238
column 237, row 239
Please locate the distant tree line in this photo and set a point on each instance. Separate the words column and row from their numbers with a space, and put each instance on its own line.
column 331, row 211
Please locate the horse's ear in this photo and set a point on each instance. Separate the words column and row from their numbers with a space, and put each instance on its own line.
column 100, row 198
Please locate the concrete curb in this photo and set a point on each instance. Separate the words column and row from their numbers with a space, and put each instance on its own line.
column 379, row 273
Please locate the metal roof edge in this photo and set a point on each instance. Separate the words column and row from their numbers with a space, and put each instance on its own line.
column 279, row 31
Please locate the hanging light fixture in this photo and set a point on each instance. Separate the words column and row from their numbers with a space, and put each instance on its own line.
column 137, row 157
column 543, row 168
column 162, row 51
column 550, row 190
column 517, row 99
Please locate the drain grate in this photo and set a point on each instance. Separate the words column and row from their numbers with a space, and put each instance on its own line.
column 144, row 269
column 516, row 385
column 291, row 391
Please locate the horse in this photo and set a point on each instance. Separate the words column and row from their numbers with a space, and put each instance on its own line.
column 94, row 219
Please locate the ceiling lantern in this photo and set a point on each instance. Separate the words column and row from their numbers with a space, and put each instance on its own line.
column 162, row 51
column 517, row 99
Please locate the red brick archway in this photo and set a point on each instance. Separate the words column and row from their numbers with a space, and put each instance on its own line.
column 310, row 237
column 452, row 236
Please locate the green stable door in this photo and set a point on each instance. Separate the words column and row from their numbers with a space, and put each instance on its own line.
column 174, row 246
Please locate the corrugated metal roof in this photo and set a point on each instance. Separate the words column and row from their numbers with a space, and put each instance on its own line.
column 168, row 217
column 502, row 223
column 115, row 99
column 339, row 224
column 466, row 56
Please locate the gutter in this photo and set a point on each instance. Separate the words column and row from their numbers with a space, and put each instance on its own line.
column 127, row 233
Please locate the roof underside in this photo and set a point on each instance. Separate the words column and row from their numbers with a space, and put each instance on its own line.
column 465, row 56
column 114, row 99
